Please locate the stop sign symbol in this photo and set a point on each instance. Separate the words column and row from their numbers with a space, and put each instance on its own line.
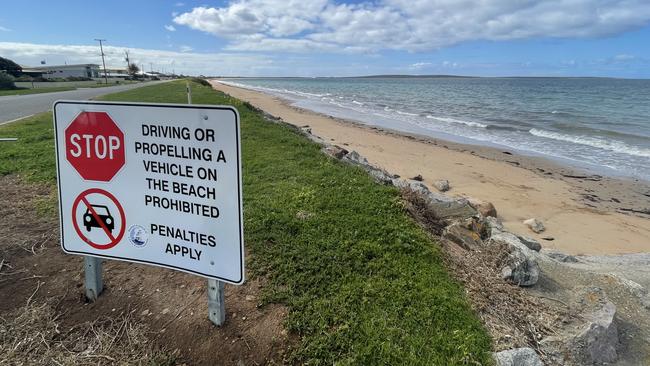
column 94, row 146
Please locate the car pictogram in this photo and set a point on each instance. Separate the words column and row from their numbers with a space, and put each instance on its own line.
column 103, row 213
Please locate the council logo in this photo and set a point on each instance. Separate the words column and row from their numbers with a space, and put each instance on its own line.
column 138, row 236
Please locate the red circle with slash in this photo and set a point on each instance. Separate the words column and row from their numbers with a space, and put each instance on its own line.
column 98, row 219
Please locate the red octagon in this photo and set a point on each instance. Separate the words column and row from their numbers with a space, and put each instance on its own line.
column 94, row 145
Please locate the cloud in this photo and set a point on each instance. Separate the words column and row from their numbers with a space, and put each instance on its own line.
column 411, row 25
column 170, row 28
column 624, row 57
column 419, row 65
column 186, row 48
column 233, row 64
column 3, row 29
column 179, row 4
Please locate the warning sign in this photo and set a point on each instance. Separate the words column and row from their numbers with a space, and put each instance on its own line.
column 92, row 210
column 151, row 183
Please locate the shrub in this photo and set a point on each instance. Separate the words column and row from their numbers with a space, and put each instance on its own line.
column 200, row 81
column 6, row 81
column 24, row 77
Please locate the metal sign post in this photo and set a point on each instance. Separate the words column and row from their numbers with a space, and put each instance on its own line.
column 93, row 278
column 216, row 300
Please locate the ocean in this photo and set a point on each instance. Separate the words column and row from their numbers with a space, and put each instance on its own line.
column 598, row 124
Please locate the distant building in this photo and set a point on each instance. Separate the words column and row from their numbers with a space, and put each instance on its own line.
column 66, row 71
column 115, row 72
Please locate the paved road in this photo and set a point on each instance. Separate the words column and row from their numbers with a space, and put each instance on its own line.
column 19, row 106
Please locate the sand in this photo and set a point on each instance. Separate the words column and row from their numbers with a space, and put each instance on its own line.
column 584, row 215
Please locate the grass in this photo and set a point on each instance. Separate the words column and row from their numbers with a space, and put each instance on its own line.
column 35, row 91
column 364, row 283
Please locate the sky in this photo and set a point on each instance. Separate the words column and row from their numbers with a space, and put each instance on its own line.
column 308, row 38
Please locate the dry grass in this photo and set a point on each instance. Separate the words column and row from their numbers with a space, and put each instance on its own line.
column 34, row 335
column 513, row 317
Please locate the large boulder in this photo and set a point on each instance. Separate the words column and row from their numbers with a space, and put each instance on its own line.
column 520, row 266
column 517, row 357
column 592, row 341
column 466, row 234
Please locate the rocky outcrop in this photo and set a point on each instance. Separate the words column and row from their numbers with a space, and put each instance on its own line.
column 518, row 357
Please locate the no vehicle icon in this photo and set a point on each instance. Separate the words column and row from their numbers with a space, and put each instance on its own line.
column 98, row 218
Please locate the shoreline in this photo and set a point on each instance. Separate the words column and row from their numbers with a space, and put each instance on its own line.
column 583, row 213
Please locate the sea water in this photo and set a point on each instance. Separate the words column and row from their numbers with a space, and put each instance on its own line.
column 595, row 123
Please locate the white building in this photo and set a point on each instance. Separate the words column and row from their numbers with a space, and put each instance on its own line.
column 65, row 71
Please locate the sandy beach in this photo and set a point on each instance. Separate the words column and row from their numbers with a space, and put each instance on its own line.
column 583, row 214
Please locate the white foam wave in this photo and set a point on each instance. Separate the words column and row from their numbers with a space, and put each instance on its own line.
column 405, row 113
column 601, row 143
column 453, row 120
column 357, row 103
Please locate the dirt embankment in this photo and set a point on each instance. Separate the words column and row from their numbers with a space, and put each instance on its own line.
column 146, row 313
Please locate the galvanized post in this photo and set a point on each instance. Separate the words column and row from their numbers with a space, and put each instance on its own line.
column 216, row 302
column 94, row 283
column 189, row 92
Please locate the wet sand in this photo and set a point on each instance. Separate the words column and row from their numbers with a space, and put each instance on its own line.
column 583, row 213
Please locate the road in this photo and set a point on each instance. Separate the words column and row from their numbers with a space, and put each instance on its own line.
column 13, row 107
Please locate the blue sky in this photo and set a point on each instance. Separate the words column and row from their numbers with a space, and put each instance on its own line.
column 335, row 38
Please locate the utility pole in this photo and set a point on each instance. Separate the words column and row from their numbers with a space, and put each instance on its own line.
column 101, row 48
column 128, row 63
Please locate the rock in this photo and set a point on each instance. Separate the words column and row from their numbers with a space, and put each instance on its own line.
column 306, row 130
column 520, row 266
column 531, row 243
column 380, row 175
column 458, row 233
column 596, row 342
column 535, row 225
column 486, row 209
column 517, row 357
column 354, row 157
column 494, row 224
column 561, row 257
column 592, row 341
column 446, row 207
column 418, row 178
column 634, row 288
column 334, row 151
column 442, row 185
column 316, row 139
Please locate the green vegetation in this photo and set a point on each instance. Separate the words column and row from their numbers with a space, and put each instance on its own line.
column 363, row 283
column 24, row 91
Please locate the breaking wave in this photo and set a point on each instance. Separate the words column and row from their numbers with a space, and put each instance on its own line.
column 611, row 145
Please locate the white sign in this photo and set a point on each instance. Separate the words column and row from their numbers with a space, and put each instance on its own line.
column 158, row 184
